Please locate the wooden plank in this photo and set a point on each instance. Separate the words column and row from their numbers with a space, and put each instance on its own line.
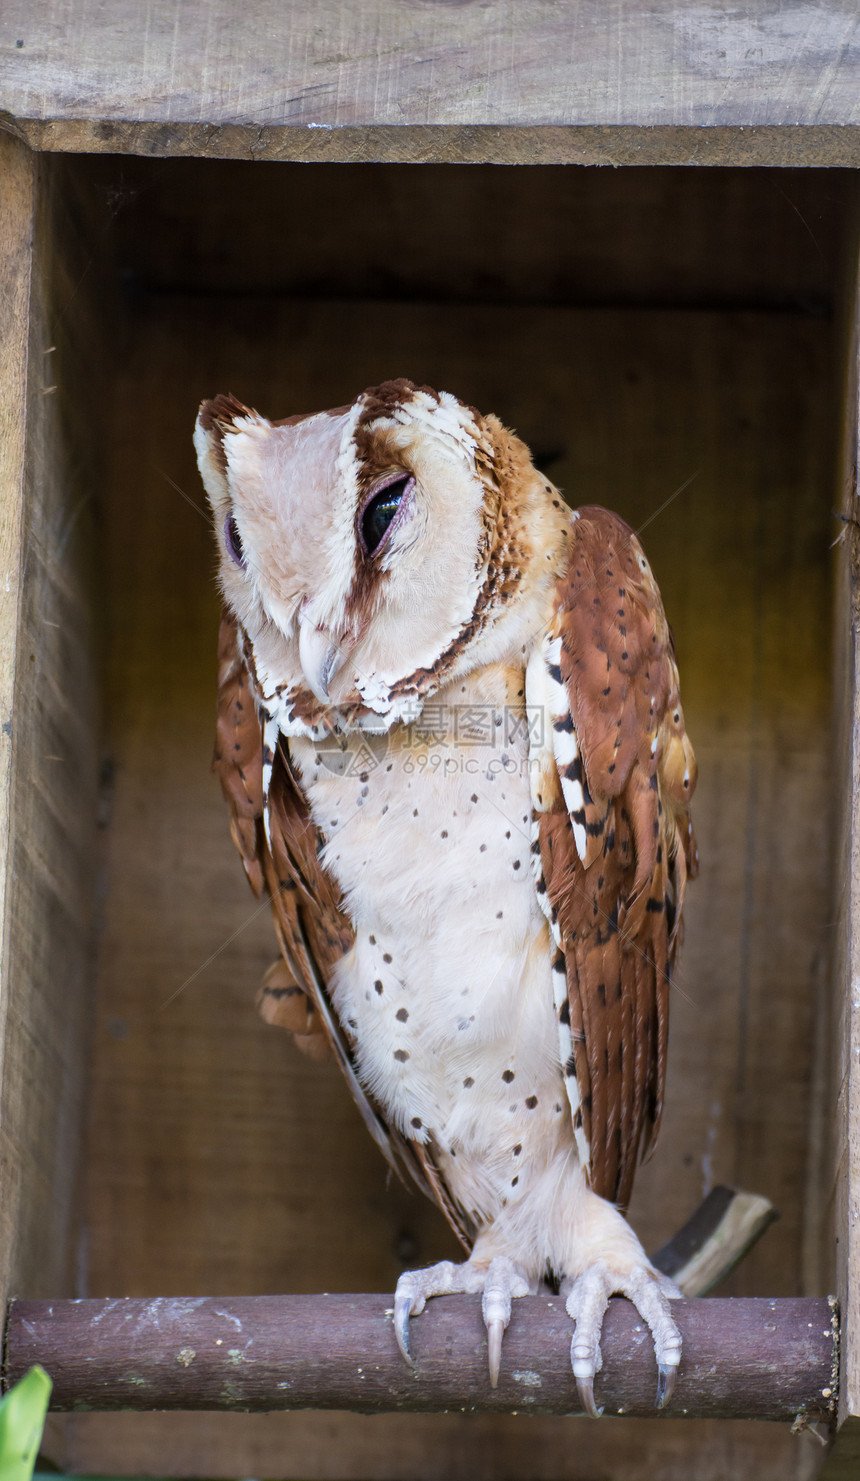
column 832, row 146
column 593, row 81
column 421, row 1447
column 50, row 780
column 660, row 238
column 16, row 228
column 743, row 1359
column 841, row 1184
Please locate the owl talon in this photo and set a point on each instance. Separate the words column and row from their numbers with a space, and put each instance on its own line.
column 401, row 1327
column 666, row 1375
column 502, row 1283
column 499, row 1284
column 587, row 1300
column 495, row 1333
column 413, row 1291
column 585, row 1389
column 409, row 1300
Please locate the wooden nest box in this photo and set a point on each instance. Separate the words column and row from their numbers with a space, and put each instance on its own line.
column 292, row 203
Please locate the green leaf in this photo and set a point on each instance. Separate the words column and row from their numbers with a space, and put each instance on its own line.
column 22, row 1420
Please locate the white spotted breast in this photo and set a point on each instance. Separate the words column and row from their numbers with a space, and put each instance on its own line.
column 447, row 994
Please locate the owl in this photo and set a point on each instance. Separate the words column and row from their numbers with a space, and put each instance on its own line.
column 451, row 741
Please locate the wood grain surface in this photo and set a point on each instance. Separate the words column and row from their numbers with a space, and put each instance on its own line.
column 751, row 1359
column 611, row 81
column 421, row 1447
column 658, row 238
column 16, row 226
column 49, row 782
column 842, row 1142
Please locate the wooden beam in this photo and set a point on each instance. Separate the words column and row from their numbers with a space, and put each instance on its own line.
column 16, row 231
column 17, row 208
column 798, row 146
column 842, row 1461
column 48, row 726
column 594, row 81
column 743, row 1358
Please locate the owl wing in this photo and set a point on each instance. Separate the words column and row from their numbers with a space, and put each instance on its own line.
column 313, row 930
column 614, row 844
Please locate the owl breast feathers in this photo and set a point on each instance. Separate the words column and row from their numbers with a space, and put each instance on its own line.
column 451, row 740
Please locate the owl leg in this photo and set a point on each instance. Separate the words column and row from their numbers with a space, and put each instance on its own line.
column 499, row 1282
column 587, row 1298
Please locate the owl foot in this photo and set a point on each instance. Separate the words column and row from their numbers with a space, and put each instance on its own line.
column 498, row 1283
column 587, row 1300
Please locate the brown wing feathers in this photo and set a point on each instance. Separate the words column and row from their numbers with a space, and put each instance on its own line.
column 238, row 762
column 238, row 758
column 618, row 909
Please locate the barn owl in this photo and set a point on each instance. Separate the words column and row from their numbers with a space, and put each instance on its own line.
column 451, row 740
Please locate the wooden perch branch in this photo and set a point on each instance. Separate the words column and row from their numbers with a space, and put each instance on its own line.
column 743, row 1359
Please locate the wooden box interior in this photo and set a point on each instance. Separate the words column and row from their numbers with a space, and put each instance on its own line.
column 670, row 342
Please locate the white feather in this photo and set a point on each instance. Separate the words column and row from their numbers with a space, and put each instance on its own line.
column 475, row 1002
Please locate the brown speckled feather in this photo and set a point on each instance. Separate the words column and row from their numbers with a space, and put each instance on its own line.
column 618, row 910
column 238, row 752
column 312, row 928
column 238, row 764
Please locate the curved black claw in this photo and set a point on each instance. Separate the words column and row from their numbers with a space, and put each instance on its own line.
column 402, row 1308
column 585, row 1389
column 666, row 1375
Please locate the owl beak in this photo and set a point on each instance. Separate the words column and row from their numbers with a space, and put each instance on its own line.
column 320, row 656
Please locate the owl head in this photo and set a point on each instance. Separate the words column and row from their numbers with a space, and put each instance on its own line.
column 377, row 551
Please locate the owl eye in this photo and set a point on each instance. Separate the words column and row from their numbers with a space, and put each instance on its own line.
column 379, row 513
column 233, row 540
